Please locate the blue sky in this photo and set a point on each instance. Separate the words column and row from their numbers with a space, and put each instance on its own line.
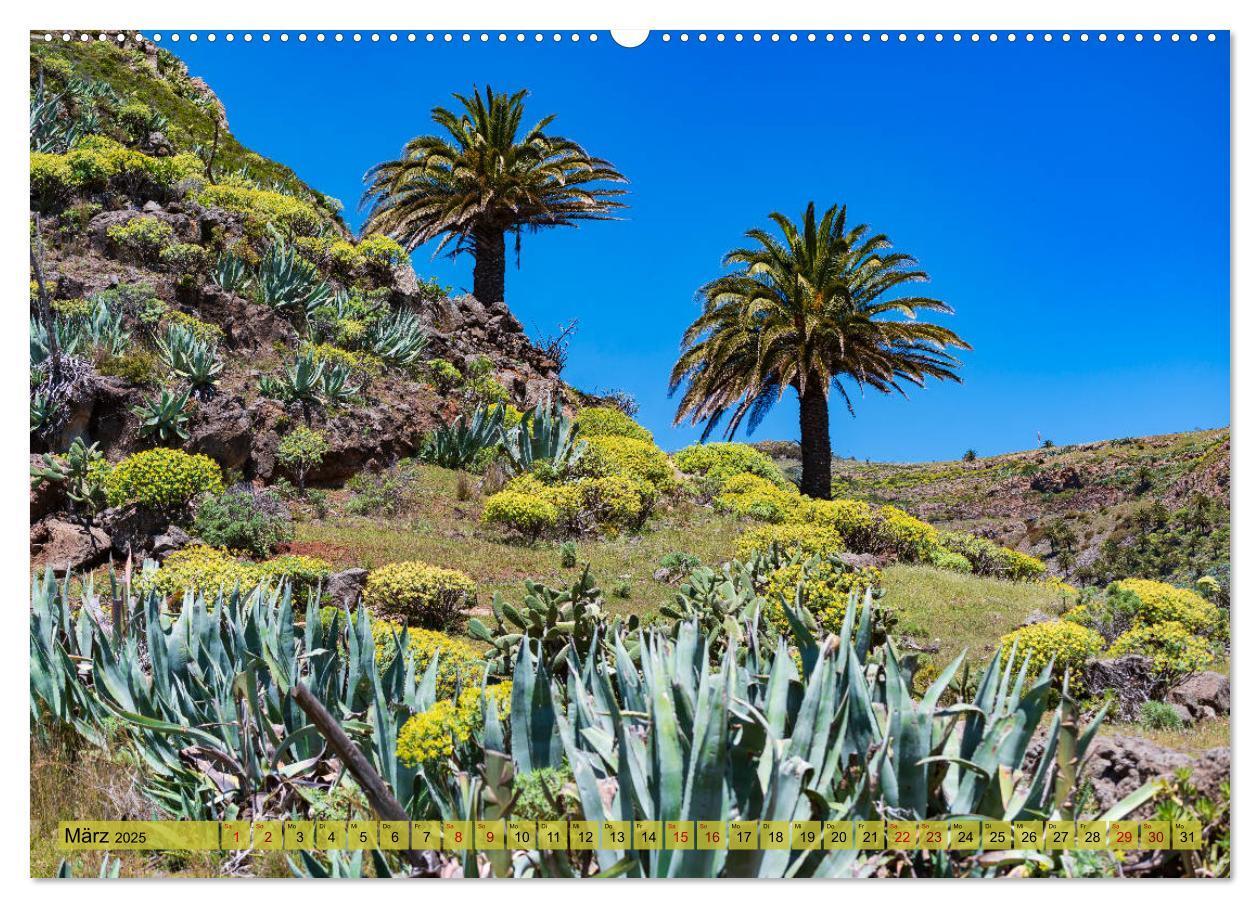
column 1070, row 200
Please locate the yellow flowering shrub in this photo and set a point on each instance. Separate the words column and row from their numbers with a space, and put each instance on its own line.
column 909, row 538
column 306, row 573
column 143, row 237
column 597, row 421
column 459, row 663
column 1172, row 648
column 990, row 559
column 264, row 207
column 853, row 520
column 363, row 363
column 95, row 161
column 1067, row 643
column 718, row 461
column 526, row 513
column 824, row 585
column 208, row 570
column 607, row 455
column 1161, row 602
column 614, row 501
column 200, row 568
column 750, row 495
column 162, row 478
column 436, row 733
column 791, row 538
column 419, row 593
column 205, row 332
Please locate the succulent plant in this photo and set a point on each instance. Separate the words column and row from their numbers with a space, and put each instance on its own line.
column 458, row 445
column 547, row 437
column 164, row 418
column 286, row 281
column 561, row 619
column 398, row 339
column 231, row 273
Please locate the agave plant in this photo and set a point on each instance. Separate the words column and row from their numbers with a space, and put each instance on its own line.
column 460, row 444
column 335, row 387
column 69, row 335
column 190, row 359
column 211, row 709
column 42, row 410
column 286, row 281
column 301, row 383
column 547, row 437
column 231, row 273
column 50, row 131
column 80, row 473
column 164, row 418
column 103, row 329
column 398, row 339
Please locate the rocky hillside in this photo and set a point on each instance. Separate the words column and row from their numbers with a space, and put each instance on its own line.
column 1094, row 511
column 142, row 195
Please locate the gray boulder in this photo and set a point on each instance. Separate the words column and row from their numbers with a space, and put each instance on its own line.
column 345, row 587
column 1203, row 695
column 66, row 546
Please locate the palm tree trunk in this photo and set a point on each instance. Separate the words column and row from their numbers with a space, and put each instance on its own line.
column 815, row 441
column 490, row 265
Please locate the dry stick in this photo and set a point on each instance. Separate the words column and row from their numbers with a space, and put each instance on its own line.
column 381, row 798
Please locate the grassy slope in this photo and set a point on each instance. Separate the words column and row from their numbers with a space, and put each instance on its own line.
column 953, row 610
column 190, row 124
column 994, row 495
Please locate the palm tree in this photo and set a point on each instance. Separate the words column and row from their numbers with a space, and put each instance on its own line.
column 808, row 312
column 484, row 179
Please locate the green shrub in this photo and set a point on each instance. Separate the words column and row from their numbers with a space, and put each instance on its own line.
column 1161, row 602
column 596, row 421
column 824, row 584
column 950, row 561
column 546, row 794
column 459, row 663
column 162, row 478
column 142, row 237
column 609, row 455
column 137, row 366
column 444, row 375
column 1157, row 716
column 790, row 539
column 990, row 559
column 419, row 594
column 530, row 515
column 1067, row 643
column 384, row 494
column 183, row 258
column 568, row 555
column 719, row 461
column 243, row 521
column 1172, row 648
column 301, row 450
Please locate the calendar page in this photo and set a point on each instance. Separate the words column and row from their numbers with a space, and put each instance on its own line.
column 564, row 453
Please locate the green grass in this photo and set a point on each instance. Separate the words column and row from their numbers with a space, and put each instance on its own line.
column 961, row 611
column 439, row 529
